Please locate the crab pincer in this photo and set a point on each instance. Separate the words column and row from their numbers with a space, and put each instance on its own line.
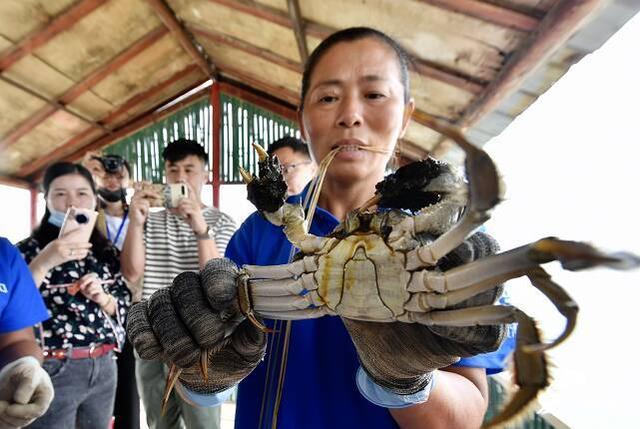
column 268, row 190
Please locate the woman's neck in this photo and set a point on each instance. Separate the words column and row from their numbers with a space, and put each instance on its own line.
column 340, row 198
column 114, row 209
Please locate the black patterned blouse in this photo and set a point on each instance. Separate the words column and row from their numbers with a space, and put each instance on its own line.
column 75, row 320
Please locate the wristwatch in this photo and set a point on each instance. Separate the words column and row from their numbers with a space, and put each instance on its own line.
column 207, row 235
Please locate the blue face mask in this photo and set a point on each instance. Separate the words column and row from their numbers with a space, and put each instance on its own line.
column 56, row 218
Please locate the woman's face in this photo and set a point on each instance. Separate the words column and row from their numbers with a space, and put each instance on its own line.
column 356, row 97
column 70, row 190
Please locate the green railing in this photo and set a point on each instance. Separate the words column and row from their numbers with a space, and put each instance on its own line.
column 243, row 124
column 144, row 149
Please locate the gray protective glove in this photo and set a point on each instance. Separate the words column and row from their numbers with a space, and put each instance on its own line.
column 25, row 392
column 401, row 357
column 196, row 314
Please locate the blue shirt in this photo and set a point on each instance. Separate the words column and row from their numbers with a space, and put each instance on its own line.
column 319, row 388
column 20, row 301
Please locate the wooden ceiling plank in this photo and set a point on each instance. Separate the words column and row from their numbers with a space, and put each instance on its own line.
column 107, row 69
column 253, row 97
column 136, row 100
column 79, row 88
column 41, row 36
column 554, row 30
column 488, row 12
column 426, row 68
column 184, row 37
column 75, row 148
column 297, row 22
column 283, row 94
column 241, row 45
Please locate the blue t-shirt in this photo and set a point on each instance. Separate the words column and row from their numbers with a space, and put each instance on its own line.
column 319, row 388
column 20, row 301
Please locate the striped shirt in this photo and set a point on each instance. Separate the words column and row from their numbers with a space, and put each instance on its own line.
column 171, row 246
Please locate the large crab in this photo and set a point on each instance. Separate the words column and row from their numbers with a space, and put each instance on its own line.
column 390, row 265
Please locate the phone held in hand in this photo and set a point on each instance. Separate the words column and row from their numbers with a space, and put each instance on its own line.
column 77, row 219
column 169, row 196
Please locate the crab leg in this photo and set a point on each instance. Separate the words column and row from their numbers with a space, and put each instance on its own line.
column 484, row 193
column 461, row 283
column 530, row 369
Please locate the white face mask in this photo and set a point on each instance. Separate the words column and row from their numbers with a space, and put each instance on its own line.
column 56, row 218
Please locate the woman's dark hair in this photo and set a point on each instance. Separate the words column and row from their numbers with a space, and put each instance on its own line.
column 46, row 232
column 350, row 35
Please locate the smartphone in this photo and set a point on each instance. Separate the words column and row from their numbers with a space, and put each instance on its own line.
column 77, row 219
column 169, row 196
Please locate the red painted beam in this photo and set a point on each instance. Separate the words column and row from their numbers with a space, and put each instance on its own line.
column 186, row 40
column 251, row 97
column 427, row 68
column 215, row 143
column 41, row 36
column 560, row 23
column 138, row 99
column 488, row 12
column 78, row 89
column 241, row 45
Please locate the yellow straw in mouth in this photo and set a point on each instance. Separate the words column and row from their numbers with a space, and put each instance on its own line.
column 311, row 200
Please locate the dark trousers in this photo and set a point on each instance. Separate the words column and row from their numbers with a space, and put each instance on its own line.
column 126, row 409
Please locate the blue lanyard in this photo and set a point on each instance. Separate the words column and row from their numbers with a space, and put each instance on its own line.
column 124, row 218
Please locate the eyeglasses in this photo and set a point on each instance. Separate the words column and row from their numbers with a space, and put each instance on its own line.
column 289, row 168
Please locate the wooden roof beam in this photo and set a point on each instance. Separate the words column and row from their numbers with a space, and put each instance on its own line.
column 558, row 25
column 184, row 37
column 259, row 99
column 75, row 91
column 137, row 99
column 60, row 23
column 488, row 12
column 241, row 45
column 424, row 67
column 297, row 22
column 15, row 182
column 281, row 93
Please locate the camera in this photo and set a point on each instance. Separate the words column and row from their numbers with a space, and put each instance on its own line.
column 111, row 163
column 167, row 196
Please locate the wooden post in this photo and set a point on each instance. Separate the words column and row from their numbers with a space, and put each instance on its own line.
column 216, row 108
column 34, row 206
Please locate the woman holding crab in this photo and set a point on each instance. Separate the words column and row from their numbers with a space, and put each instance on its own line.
column 355, row 105
column 87, row 301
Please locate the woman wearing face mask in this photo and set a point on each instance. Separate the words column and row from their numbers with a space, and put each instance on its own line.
column 87, row 299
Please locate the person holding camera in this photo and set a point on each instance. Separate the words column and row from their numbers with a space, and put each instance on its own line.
column 112, row 174
column 162, row 244
column 87, row 299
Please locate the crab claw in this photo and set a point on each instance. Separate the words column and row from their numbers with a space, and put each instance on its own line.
column 172, row 378
column 416, row 185
column 246, row 176
column 268, row 191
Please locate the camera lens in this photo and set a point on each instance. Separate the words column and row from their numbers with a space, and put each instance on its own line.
column 112, row 163
column 81, row 218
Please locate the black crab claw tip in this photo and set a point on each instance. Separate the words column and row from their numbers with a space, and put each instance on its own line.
column 267, row 191
column 404, row 189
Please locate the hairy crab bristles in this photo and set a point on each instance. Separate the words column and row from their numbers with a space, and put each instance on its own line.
column 419, row 184
column 267, row 191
